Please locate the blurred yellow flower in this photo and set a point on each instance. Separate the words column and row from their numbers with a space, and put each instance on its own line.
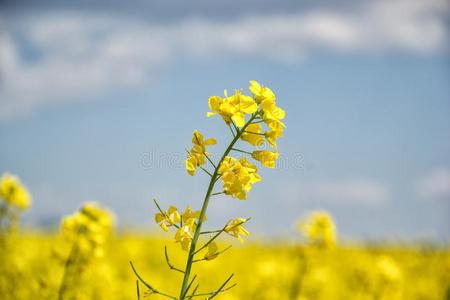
column 88, row 228
column 267, row 158
column 212, row 251
column 319, row 229
column 388, row 269
column 13, row 192
column 236, row 228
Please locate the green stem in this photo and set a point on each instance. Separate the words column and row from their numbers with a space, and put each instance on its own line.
column 204, row 209
column 242, row 151
column 258, row 133
column 151, row 288
column 137, row 290
column 65, row 278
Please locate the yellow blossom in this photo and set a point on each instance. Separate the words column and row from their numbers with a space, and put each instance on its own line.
column 272, row 113
column 188, row 214
column 13, row 192
column 238, row 176
column 88, row 228
column 236, row 229
column 169, row 218
column 267, row 158
column 261, row 92
column 184, row 234
column 200, row 143
column 232, row 108
column 275, row 132
column 319, row 229
column 197, row 155
column 264, row 96
column 252, row 134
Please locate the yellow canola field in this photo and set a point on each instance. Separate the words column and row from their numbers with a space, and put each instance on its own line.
column 31, row 267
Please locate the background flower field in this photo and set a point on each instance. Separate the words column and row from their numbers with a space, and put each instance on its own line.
column 32, row 269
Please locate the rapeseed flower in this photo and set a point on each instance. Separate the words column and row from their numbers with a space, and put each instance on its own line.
column 169, row 218
column 271, row 113
column 88, row 228
column 236, row 229
column 267, row 158
column 13, row 192
column 197, row 155
column 275, row 132
column 184, row 234
column 319, row 229
column 260, row 92
column 252, row 135
column 188, row 214
column 238, row 176
column 232, row 108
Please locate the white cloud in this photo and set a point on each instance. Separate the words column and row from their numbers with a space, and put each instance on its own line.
column 78, row 56
column 436, row 185
column 363, row 192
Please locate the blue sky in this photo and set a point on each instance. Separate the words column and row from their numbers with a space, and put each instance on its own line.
column 99, row 101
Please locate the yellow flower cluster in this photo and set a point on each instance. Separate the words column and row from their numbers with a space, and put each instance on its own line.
column 319, row 229
column 232, row 108
column 13, row 192
column 271, row 113
column 266, row 270
column 88, row 228
column 184, row 222
column 238, row 176
column 196, row 157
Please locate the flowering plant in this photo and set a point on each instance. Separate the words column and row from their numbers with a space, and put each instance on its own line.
column 14, row 199
column 87, row 231
column 245, row 116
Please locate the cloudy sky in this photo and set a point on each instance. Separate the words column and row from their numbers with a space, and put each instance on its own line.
column 98, row 102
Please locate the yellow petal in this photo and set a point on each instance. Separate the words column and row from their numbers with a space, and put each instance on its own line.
column 210, row 141
column 254, row 87
column 239, row 119
column 214, row 102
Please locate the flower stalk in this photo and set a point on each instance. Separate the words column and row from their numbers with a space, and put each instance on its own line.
column 197, row 232
column 242, row 115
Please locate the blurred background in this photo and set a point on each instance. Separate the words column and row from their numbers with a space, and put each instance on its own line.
column 98, row 101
